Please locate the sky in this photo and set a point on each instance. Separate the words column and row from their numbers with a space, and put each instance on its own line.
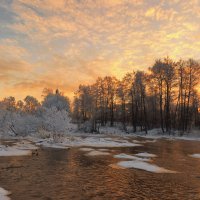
column 64, row 43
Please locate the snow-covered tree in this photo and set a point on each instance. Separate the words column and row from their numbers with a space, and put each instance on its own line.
column 24, row 124
column 56, row 120
column 57, row 100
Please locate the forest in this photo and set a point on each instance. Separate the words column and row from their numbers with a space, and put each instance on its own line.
column 165, row 96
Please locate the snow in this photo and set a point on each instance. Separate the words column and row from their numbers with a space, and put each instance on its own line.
column 175, row 135
column 148, row 141
column 87, row 141
column 196, row 155
column 146, row 155
column 93, row 152
column 55, row 146
column 100, row 142
column 22, row 148
column 136, row 141
column 143, row 166
column 4, row 194
column 57, row 120
column 50, row 144
column 97, row 153
column 86, row 149
column 103, row 149
column 13, row 151
column 126, row 156
column 110, row 130
column 24, row 145
column 139, row 163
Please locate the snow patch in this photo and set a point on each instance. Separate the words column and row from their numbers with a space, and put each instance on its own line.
column 136, row 141
column 143, row 166
column 126, row 156
column 100, row 142
column 139, row 163
column 103, row 149
column 52, row 145
column 149, row 141
column 89, row 141
column 13, row 151
column 4, row 194
column 24, row 145
column 97, row 153
column 146, row 155
column 196, row 155
column 86, row 149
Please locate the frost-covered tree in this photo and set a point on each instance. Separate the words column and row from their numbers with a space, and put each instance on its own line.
column 56, row 121
column 24, row 124
column 57, row 100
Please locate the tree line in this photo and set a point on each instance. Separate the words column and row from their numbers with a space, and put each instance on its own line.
column 165, row 96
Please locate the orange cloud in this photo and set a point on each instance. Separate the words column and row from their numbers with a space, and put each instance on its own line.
column 67, row 42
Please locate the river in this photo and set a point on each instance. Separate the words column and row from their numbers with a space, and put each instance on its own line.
column 72, row 174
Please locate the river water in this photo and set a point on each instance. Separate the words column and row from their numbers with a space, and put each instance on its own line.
column 71, row 174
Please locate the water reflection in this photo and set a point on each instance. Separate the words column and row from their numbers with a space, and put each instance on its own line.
column 71, row 174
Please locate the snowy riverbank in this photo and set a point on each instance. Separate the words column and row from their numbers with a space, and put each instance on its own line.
column 108, row 137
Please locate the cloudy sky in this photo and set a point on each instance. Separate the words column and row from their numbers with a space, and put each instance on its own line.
column 62, row 43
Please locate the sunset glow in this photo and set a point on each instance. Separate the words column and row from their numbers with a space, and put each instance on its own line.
column 60, row 44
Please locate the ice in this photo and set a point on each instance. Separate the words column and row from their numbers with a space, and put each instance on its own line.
column 13, row 151
column 101, row 142
column 149, row 141
column 126, row 156
column 136, row 141
column 4, row 194
column 146, row 155
column 139, row 163
column 103, row 149
column 89, row 141
column 21, row 148
column 25, row 145
column 196, row 155
column 53, row 145
column 97, row 153
column 143, row 166
column 86, row 149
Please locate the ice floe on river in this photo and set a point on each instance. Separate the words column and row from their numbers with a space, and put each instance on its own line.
column 135, row 161
column 13, row 151
column 146, row 155
column 50, row 144
column 196, row 155
column 97, row 153
column 21, row 148
column 86, row 149
column 143, row 166
column 4, row 194
column 126, row 156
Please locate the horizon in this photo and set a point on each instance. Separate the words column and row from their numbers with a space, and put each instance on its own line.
column 63, row 44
